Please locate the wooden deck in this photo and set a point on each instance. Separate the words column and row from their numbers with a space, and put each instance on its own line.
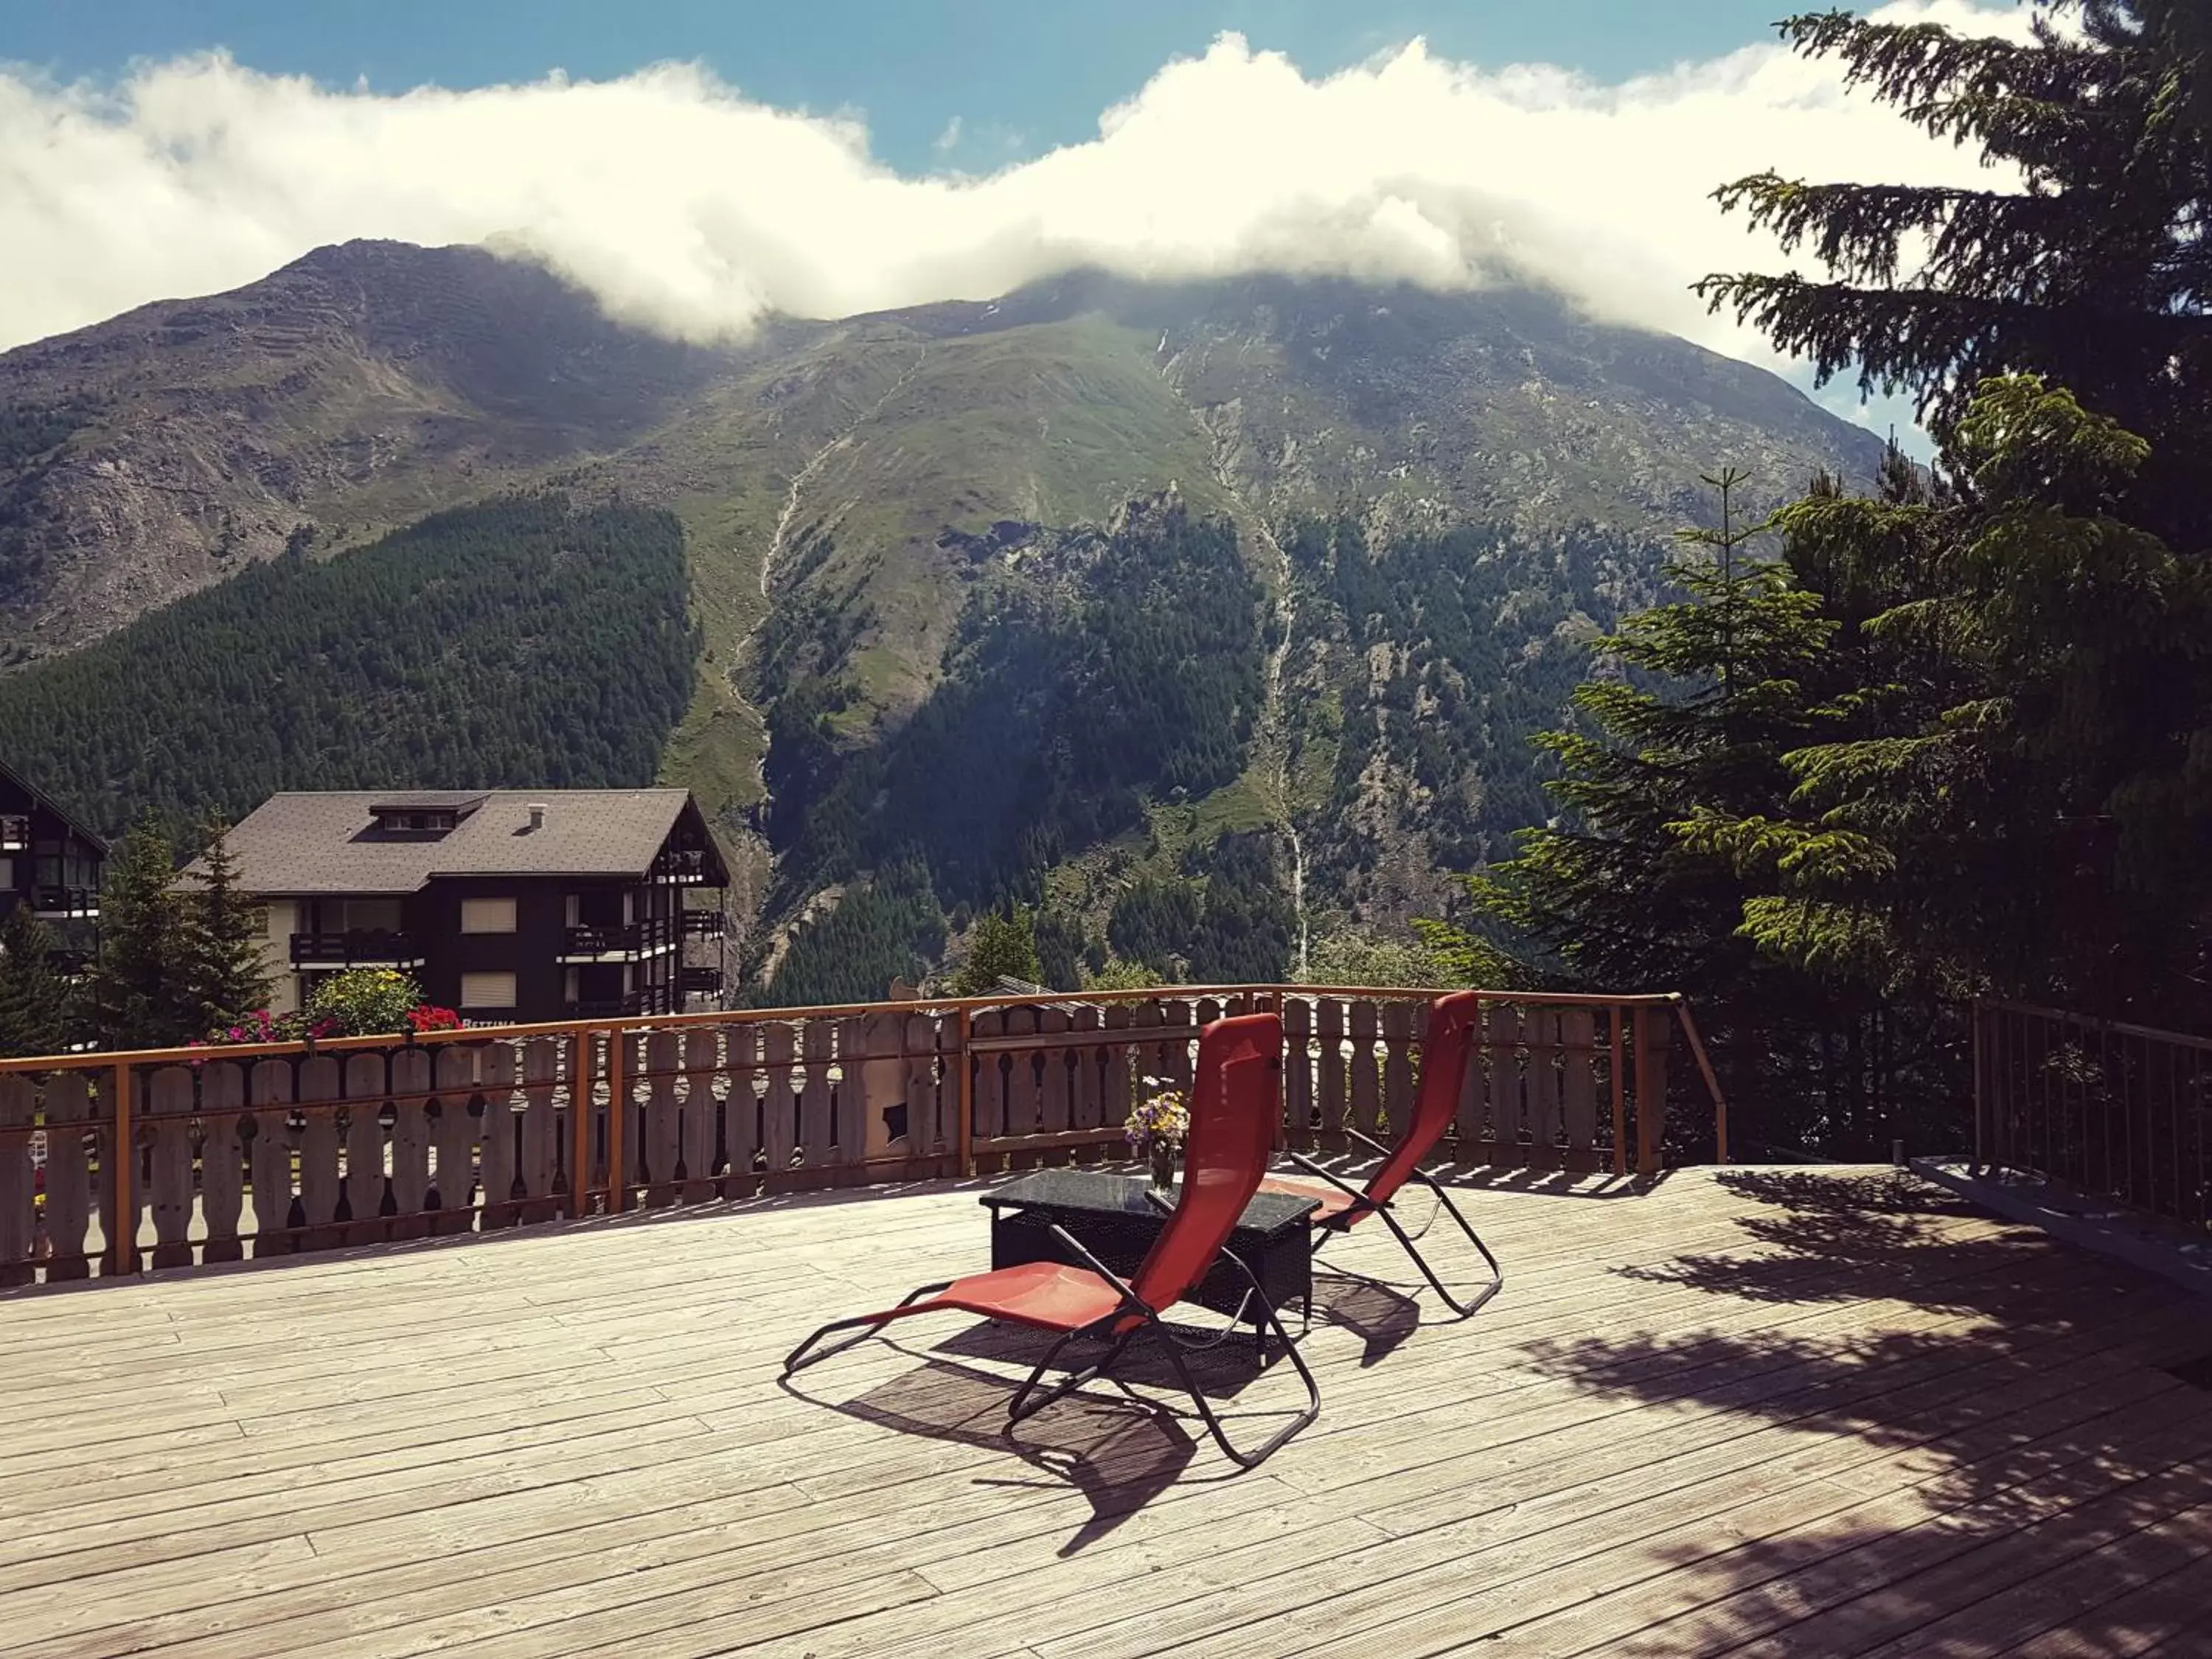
column 1756, row 1411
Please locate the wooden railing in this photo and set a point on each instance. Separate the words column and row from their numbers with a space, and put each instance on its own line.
column 359, row 946
column 65, row 902
column 2121, row 1111
column 295, row 1148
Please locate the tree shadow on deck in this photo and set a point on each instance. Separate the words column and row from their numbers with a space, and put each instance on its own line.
column 2001, row 1447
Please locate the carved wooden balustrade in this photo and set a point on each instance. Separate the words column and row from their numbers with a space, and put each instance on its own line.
column 272, row 1150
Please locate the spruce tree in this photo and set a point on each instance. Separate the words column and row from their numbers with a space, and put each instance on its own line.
column 2026, row 803
column 2010, row 807
column 1004, row 947
column 223, row 975
column 2082, row 259
column 35, row 999
column 137, row 992
column 1698, row 703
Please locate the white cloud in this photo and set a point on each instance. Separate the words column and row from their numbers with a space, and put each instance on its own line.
column 687, row 207
column 948, row 139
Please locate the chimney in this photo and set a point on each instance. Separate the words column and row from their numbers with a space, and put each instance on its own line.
column 538, row 815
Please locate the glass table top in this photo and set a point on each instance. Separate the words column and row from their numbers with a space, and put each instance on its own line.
column 1099, row 1192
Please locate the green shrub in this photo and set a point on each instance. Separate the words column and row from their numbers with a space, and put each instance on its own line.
column 365, row 1001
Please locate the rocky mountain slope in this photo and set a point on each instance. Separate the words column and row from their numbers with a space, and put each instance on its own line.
column 899, row 526
column 351, row 391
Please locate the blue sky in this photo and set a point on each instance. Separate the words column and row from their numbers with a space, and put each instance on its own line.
column 1020, row 75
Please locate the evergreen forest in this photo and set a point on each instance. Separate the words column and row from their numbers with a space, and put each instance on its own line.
column 1108, row 670
column 526, row 643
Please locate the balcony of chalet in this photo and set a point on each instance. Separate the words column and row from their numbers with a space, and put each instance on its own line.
column 624, row 941
column 473, row 1346
column 56, row 904
column 358, row 947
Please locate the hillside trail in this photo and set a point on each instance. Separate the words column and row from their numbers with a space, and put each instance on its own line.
column 792, row 498
column 815, row 463
column 1272, row 756
column 1274, row 733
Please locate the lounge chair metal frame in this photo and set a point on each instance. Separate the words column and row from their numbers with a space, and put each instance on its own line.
column 1453, row 1023
column 1385, row 1210
column 1132, row 1315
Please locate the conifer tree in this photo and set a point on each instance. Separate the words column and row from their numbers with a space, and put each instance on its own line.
column 224, row 977
column 35, row 999
column 1004, row 947
column 137, row 992
column 1060, row 947
column 2082, row 259
column 1701, row 701
column 2026, row 802
column 2011, row 807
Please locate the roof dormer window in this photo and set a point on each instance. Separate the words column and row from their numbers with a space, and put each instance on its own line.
column 434, row 815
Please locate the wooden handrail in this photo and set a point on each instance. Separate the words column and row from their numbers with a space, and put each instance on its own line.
column 349, row 1126
column 1712, row 1083
column 641, row 1024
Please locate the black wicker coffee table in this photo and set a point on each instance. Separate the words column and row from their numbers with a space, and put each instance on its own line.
column 1117, row 1222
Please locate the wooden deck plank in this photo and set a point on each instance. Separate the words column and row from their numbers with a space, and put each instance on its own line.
column 570, row 1438
column 2076, row 1595
column 1559, row 1558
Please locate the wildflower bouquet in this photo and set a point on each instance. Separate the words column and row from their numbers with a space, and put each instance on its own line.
column 1156, row 1125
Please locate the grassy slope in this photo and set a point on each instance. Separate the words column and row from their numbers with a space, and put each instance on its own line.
column 1054, row 424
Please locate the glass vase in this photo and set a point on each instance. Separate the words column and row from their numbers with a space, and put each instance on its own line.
column 1164, row 1163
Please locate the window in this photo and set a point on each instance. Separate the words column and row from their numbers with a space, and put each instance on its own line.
column 8, row 874
column 487, row 990
column 488, row 915
column 362, row 915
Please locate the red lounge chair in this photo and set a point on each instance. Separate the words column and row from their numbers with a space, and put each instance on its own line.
column 1454, row 1024
column 1232, row 1120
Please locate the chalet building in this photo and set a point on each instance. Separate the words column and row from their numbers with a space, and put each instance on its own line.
column 50, row 862
column 504, row 904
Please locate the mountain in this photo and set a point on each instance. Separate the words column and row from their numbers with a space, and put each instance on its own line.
column 1202, row 613
column 351, row 391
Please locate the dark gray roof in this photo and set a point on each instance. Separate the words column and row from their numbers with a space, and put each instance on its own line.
column 329, row 842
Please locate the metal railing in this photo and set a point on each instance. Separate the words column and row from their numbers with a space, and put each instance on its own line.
column 284, row 1147
column 360, row 946
column 2103, row 1107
